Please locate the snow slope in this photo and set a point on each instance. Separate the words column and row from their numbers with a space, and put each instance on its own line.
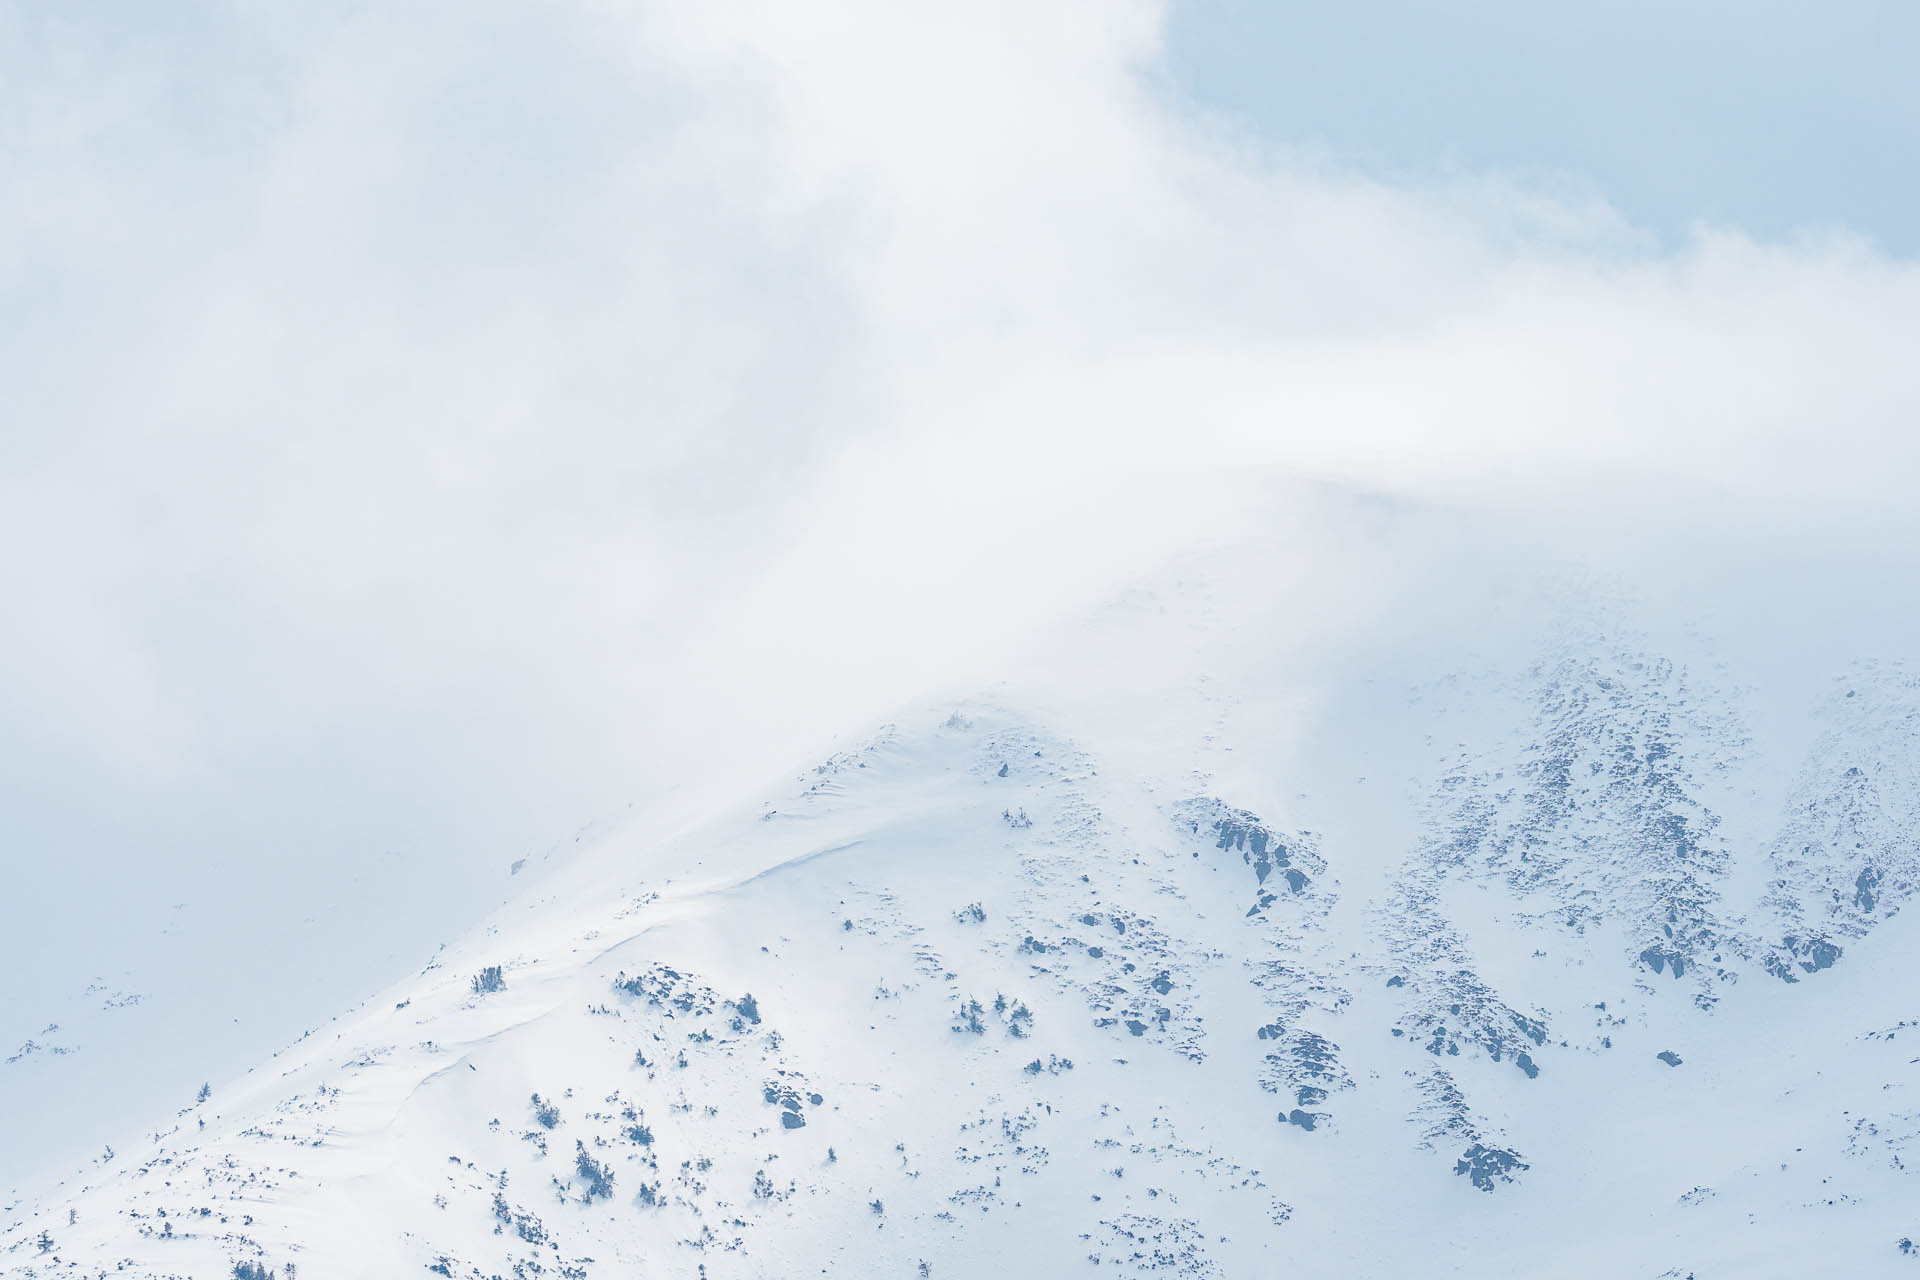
column 1265, row 924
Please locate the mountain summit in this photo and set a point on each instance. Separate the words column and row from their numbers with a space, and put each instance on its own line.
column 1438, row 938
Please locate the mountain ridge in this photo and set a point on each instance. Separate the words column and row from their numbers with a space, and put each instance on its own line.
column 1143, row 978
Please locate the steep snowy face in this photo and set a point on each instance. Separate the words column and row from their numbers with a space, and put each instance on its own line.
column 1529, row 967
column 1848, row 856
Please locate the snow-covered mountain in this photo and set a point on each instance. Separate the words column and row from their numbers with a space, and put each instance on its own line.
column 1257, row 927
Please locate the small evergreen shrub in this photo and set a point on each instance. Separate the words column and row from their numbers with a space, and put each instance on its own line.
column 597, row 1177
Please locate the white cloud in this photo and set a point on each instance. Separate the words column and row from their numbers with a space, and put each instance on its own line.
column 484, row 339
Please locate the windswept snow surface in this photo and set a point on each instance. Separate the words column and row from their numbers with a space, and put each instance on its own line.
column 1265, row 926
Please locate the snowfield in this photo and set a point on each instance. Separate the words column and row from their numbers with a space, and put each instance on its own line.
column 1547, row 942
